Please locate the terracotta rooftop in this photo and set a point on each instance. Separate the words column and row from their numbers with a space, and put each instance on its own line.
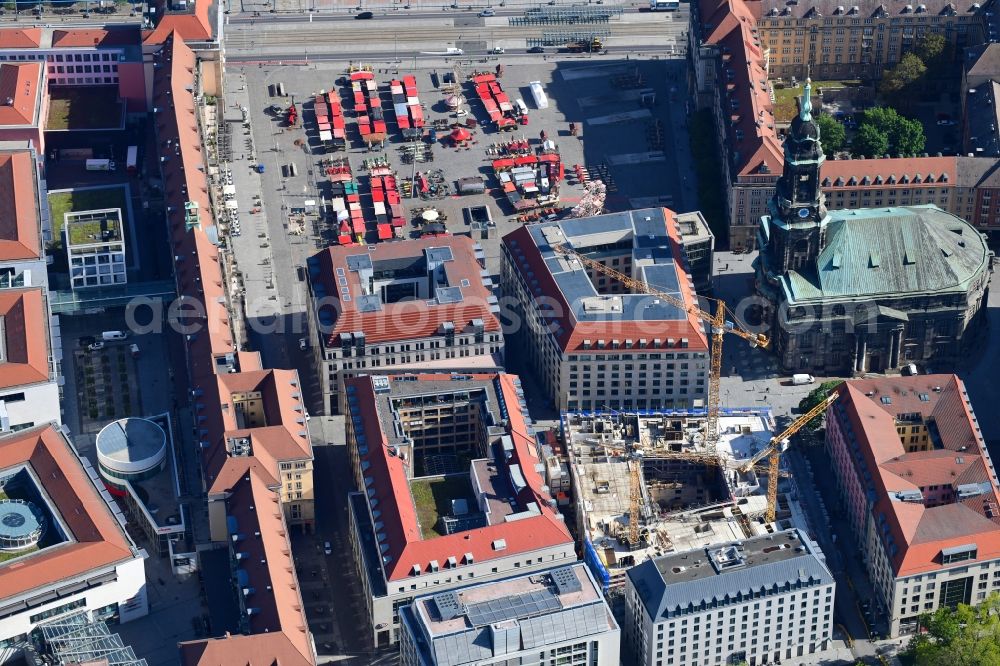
column 20, row 38
column 19, row 230
column 282, row 437
column 23, row 337
column 20, row 87
column 192, row 25
column 124, row 36
column 884, row 172
column 403, row 545
column 349, row 305
column 254, row 650
column 98, row 539
column 278, row 630
column 917, row 529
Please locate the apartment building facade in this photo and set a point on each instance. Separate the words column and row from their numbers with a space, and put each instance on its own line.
column 558, row 616
column 503, row 520
column 827, row 41
column 81, row 559
column 424, row 304
column 593, row 343
column 734, row 51
column 920, row 492
column 109, row 56
column 758, row 601
column 32, row 342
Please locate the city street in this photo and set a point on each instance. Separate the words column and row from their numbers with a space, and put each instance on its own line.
column 404, row 36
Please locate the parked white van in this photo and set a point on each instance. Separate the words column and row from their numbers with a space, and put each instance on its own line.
column 801, row 379
column 114, row 335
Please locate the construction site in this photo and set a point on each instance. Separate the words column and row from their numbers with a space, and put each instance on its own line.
column 649, row 484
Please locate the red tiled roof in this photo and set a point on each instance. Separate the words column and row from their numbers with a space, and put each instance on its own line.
column 407, row 320
column 125, row 36
column 20, row 84
column 573, row 333
column 279, row 633
column 20, row 38
column 98, row 538
column 25, row 338
column 255, row 650
column 404, row 542
column 193, row 26
column 888, row 167
column 751, row 135
column 19, row 232
column 919, row 532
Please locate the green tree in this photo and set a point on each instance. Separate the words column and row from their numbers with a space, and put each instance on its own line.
column 870, row 142
column 907, row 71
column 831, row 133
column 965, row 636
column 883, row 130
column 930, row 47
column 816, row 396
column 906, row 137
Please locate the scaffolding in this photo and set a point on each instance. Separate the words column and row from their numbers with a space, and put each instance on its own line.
column 567, row 15
column 568, row 36
column 77, row 639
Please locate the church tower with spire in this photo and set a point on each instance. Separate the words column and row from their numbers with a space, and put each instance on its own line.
column 794, row 232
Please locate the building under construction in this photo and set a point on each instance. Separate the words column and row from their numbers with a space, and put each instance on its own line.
column 646, row 484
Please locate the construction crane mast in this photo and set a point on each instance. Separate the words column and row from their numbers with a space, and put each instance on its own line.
column 720, row 326
column 773, row 452
column 635, row 500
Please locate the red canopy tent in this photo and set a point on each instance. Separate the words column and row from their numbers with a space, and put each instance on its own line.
column 460, row 134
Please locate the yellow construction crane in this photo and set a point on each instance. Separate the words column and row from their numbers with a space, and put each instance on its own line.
column 773, row 452
column 720, row 326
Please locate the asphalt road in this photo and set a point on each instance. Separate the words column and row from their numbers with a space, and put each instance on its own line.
column 405, row 34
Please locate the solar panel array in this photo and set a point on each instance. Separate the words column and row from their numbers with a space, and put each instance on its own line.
column 512, row 607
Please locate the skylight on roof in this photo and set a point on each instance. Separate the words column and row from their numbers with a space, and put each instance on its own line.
column 886, row 400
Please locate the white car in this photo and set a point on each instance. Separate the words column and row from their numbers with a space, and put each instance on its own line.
column 97, row 346
column 327, row 548
column 487, row 12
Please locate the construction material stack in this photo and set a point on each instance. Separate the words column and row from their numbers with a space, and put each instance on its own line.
column 389, row 215
column 406, row 104
column 330, row 119
column 498, row 106
column 346, row 203
column 530, row 181
column 368, row 108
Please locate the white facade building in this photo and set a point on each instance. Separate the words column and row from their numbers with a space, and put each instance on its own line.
column 556, row 616
column 32, row 343
column 594, row 344
column 85, row 560
column 419, row 305
column 761, row 601
column 507, row 525
column 95, row 248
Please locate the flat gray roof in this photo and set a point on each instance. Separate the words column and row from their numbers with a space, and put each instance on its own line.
column 641, row 233
column 693, row 580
